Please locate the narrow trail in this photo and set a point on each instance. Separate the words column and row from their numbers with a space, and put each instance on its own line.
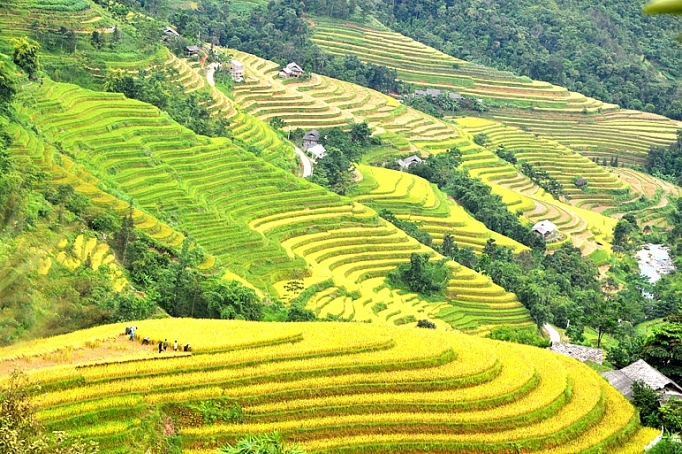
column 307, row 166
column 553, row 334
column 209, row 74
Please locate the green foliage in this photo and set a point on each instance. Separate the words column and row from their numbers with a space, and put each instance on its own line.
column 519, row 335
column 481, row 139
column 667, row 446
column 543, row 179
column 261, row 444
column 160, row 87
column 8, row 86
column 420, row 275
column 663, row 350
column 666, row 163
column 424, row 323
column 647, row 402
column 626, row 234
column 409, row 227
column 476, row 196
column 507, row 155
column 218, row 410
column 25, row 54
column 628, row 350
column 609, row 51
column 20, row 431
column 334, row 170
column 278, row 31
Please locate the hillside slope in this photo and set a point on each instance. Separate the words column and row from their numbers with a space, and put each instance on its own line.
column 267, row 230
column 329, row 387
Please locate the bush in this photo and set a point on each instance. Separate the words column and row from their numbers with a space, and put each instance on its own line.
column 423, row 323
column 522, row 335
column 420, row 275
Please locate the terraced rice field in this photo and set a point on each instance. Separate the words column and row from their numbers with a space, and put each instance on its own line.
column 627, row 134
column 335, row 103
column 22, row 17
column 562, row 163
column 583, row 124
column 413, row 198
column 424, row 66
column 333, row 388
column 266, row 230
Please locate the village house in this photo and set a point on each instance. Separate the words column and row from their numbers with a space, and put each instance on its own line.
column 237, row 70
column 436, row 92
column 311, row 138
column 170, row 32
column 579, row 352
column 317, row 151
column 191, row 51
column 640, row 370
column 545, row 228
column 407, row 162
column 291, row 70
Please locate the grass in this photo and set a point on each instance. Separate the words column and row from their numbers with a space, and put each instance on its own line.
column 331, row 386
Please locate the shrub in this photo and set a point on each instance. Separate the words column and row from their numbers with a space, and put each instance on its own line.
column 423, row 323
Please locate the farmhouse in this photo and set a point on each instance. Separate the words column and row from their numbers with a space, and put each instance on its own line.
column 545, row 228
column 641, row 371
column 436, row 92
column 407, row 162
column 311, row 138
column 171, row 32
column 291, row 70
column 237, row 70
column 579, row 352
column 191, row 51
column 318, row 151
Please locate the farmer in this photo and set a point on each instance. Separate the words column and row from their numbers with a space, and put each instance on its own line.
column 160, row 346
column 165, row 344
column 175, row 346
column 187, row 347
column 132, row 332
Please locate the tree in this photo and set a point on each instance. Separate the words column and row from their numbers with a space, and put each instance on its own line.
column 647, row 402
column 20, row 432
column 8, row 86
column 663, row 350
column 261, row 444
column 25, row 55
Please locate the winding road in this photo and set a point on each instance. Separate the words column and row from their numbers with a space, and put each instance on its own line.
column 307, row 166
column 211, row 71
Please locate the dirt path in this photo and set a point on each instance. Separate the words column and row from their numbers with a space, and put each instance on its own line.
column 108, row 349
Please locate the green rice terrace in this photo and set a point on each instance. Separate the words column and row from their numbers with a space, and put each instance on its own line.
column 266, row 230
column 582, row 124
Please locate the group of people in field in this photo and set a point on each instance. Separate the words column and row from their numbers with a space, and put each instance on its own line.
column 163, row 346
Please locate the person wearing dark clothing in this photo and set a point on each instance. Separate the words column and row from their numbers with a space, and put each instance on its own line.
column 160, row 346
column 146, row 341
column 187, row 347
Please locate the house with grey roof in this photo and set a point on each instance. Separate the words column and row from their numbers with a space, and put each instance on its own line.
column 579, row 352
column 311, row 138
column 291, row 70
column 407, row 162
column 640, row 370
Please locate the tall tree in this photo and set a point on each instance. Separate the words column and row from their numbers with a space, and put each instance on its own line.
column 25, row 54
